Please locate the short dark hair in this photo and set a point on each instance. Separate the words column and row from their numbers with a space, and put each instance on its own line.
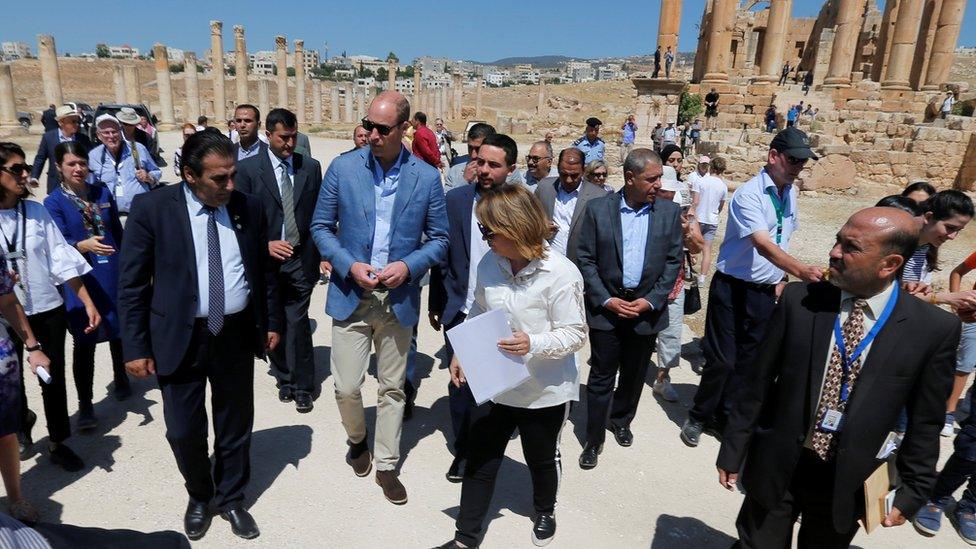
column 285, row 117
column 8, row 150
column 504, row 143
column 201, row 120
column 257, row 112
column 69, row 147
column 421, row 117
column 572, row 151
column 202, row 144
column 923, row 186
column 901, row 242
column 902, row 203
column 480, row 131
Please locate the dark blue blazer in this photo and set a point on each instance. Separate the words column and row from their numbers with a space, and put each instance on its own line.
column 45, row 152
column 449, row 280
column 158, row 276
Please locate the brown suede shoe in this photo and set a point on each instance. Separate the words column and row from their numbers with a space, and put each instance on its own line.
column 392, row 488
column 359, row 458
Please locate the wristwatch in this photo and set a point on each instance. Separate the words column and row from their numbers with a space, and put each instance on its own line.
column 34, row 348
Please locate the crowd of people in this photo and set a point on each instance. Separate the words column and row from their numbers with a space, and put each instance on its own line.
column 191, row 282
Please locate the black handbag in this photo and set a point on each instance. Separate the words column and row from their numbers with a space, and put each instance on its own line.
column 693, row 302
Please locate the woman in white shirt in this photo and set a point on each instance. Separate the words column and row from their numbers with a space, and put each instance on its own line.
column 41, row 261
column 541, row 293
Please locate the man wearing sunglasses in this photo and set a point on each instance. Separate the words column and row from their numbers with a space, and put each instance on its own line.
column 752, row 268
column 380, row 221
column 68, row 123
column 538, row 165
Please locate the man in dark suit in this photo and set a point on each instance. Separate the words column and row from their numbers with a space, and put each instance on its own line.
column 838, row 363
column 564, row 200
column 288, row 185
column 49, row 119
column 629, row 254
column 452, row 283
column 197, row 304
column 68, row 122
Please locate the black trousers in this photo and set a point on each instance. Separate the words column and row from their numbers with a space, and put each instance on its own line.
column 810, row 493
column 292, row 361
column 619, row 349
column 50, row 328
column 460, row 399
column 735, row 324
column 539, row 430
column 228, row 364
column 961, row 467
column 83, row 367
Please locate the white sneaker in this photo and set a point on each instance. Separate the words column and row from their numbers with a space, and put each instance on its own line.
column 665, row 390
column 948, row 429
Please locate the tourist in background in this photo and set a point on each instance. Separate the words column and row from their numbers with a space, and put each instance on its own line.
column 700, row 171
column 668, row 61
column 360, row 138
column 770, row 116
column 657, row 137
column 807, row 82
column 124, row 167
column 710, row 195
column 424, row 141
column 784, row 74
column 628, row 134
column 947, row 104
column 670, row 136
column 68, row 124
column 919, row 191
column 591, row 144
column 657, row 62
column 946, row 214
column 187, row 130
column 711, row 109
column 672, row 156
column 444, row 140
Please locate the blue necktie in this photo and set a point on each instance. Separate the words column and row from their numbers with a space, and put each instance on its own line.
column 215, row 274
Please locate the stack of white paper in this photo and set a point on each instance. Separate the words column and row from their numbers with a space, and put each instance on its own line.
column 489, row 371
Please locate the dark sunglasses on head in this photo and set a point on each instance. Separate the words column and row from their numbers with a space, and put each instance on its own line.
column 16, row 169
column 369, row 126
column 486, row 234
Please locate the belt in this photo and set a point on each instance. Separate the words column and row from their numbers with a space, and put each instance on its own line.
column 201, row 322
column 761, row 286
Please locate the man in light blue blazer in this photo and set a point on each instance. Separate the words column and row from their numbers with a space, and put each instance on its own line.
column 380, row 221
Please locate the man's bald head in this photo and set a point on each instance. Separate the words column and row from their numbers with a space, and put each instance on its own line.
column 871, row 249
column 392, row 100
column 896, row 230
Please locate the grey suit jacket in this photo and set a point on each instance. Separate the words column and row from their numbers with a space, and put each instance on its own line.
column 545, row 191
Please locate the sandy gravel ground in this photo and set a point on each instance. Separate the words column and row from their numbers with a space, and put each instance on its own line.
column 658, row 493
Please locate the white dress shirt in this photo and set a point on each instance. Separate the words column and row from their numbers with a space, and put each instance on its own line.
column 281, row 164
column 236, row 289
column 544, row 300
column 562, row 215
column 50, row 261
column 477, row 250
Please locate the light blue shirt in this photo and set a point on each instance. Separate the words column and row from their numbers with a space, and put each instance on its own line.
column 751, row 211
column 630, row 130
column 591, row 150
column 633, row 225
column 236, row 289
column 385, row 188
column 243, row 153
column 120, row 177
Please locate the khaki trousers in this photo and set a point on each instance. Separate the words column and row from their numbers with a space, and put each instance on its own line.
column 372, row 323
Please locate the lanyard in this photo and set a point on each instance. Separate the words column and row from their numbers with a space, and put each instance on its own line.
column 847, row 361
column 778, row 206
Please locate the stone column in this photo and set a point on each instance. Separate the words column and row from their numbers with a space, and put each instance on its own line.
column 668, row 25
column 903, row 45
column 391, row 70
column 264, row 97
column 240, row 64
column 944, row 44
column 541, row 100
column 718, row 59
column 444, row 104
column 317, row 102
column 458, row 91
column 192, row 110
column 281, row 53
column 477, row 97
column 50, row 72
column 217, row 72
column 118, row 79
column 334, row 112
column 132, row 89
column 8, row 105
column 300, row 81
column 167, row 119
column 360, row 103
column 416, row 88
column 771, row 62
column 350, row 97
column 842, row 55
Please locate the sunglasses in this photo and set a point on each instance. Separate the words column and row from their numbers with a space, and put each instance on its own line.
column 16, row 169
column 794, row 161
column 486, row 234
column 530, row 158
column 369, row 126
column 599, row 175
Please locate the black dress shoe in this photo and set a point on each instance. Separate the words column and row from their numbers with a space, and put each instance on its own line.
column 303, row 402
column 241, row 523
column 65, row 458
column 24, row 438
column 623, row 436
column 454, row 474
column 196, row 520
column 285, row 394
column 543, row 529
column 588, row 459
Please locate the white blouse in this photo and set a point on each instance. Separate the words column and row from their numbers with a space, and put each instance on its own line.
column 544, row 300
column 50, row 261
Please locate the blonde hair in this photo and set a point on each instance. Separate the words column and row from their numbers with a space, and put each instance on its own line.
column 516, row 214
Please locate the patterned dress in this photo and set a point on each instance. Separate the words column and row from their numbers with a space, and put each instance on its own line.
column 9, row 367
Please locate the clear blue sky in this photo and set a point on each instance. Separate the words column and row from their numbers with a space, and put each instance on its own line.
column 481, row 31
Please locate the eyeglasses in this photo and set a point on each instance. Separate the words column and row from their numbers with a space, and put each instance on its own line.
column 369, row 126
column 486, row 234
column 16, row 169
column 599, row 175
column 530, row 158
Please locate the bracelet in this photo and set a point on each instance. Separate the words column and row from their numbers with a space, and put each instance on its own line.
column 36, row 347
column 933, row 300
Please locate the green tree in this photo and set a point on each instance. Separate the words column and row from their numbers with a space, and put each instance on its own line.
column 392, row 56
column 230, row 70
column 101, row 50
column 175, row 67
column 690, row 107
column 382, row 73
column 406, row 72
column 291, row 71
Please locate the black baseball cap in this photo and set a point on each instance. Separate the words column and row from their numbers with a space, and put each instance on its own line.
column 593, row 122
column 793, row 142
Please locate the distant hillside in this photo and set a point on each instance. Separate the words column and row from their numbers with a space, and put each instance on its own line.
column 541, row 61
